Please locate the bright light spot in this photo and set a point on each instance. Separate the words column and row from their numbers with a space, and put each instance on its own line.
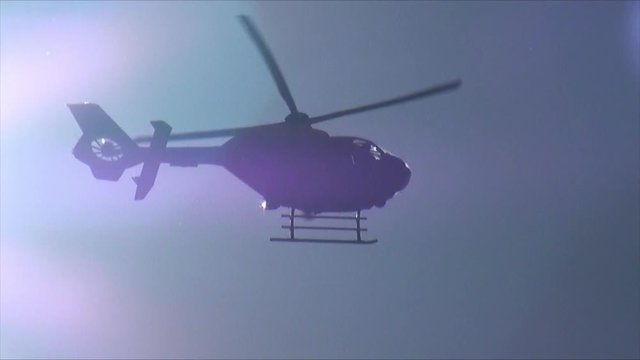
column 63, row 73
column 263, row 205
column 75, row 314
column 374, row 152
column 103, row 141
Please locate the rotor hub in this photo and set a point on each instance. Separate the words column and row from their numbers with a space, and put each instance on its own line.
column 297, row 118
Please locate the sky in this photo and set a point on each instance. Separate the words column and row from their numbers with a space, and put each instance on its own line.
column 517, row 237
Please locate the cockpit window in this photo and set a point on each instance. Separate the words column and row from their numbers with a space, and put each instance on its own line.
column 359, row 142
column 374, row 151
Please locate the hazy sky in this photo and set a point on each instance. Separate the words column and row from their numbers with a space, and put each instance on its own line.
column 518, row 235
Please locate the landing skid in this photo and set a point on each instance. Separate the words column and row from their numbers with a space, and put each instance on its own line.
column 292, row 227
column 326, row 241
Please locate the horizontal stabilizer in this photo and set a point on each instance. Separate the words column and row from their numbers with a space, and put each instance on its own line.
column 151, row 163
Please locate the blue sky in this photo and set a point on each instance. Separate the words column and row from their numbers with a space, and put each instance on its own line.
column 516, row 237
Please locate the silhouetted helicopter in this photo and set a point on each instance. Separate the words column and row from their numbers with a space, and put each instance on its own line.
column 289, row 163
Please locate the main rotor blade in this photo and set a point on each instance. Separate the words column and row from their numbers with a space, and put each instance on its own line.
column 194, row 135
column 451, row 85
column 271, row 62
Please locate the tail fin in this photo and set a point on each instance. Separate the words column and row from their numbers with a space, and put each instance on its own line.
column 104, row 146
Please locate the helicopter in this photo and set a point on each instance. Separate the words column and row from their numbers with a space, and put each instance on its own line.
column 290, row 163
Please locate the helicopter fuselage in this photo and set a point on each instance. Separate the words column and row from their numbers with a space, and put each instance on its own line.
column 307, row 169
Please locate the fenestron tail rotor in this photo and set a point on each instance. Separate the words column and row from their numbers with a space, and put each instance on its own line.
column 103, row 146
column 106, row 149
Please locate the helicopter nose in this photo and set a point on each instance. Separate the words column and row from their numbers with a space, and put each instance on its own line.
column 404, row 174
column 399, row 174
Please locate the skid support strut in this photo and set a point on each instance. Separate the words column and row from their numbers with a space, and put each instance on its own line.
column 292, row 227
